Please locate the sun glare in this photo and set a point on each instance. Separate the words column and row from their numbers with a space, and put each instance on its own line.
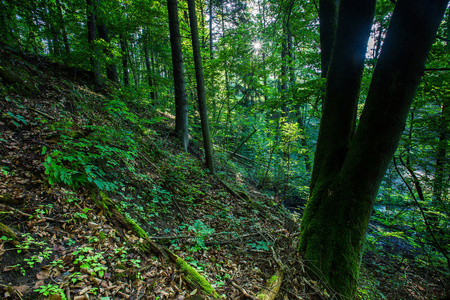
column 257, row 45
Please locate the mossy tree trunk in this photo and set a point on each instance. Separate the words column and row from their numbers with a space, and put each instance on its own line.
column 351, row 162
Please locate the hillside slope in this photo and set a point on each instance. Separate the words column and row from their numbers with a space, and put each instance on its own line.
column 96, row 199
column 85, row 172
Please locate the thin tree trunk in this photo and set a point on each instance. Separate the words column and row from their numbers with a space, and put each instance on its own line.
column 92, row 36
column 123, row 47
column 153, row 91
column 201, row 94
column 111, row 69
column 211, row 53
column 63, row 27
column 181, row 112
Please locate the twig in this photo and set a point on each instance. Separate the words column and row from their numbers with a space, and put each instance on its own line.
column 213, row 234
column 179, row 209
column 6, row 208
column 244, row 292
column 41, row 113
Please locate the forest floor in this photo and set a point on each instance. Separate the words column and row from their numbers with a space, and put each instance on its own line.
column 58, row 240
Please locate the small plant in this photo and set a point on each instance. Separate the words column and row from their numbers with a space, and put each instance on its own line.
column 260, row 245
column 51, row 289
column 16, row 119
column 136, row 262
column 201, row 231
column 90, row 262
column 57, row 263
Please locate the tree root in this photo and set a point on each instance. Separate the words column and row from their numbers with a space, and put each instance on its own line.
column 12, row 237
column 272, row 287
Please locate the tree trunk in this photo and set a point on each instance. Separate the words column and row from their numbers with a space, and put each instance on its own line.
column 347, row 177
column 200, row 87
column 153, row 92
column 328, row 19
column 63, row 27
column 343, row 85
column 123, row 47
column 211, row 53
column 92, row 36
column 440, row 179
column 181, row 113
column 148, row 65
column 111, row 69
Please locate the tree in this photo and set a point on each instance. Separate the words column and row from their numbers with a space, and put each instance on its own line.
column 327, row 25
column 200, row 87
column 111, row 69
column 92, row 36
column 181, row 113
column 351, row 160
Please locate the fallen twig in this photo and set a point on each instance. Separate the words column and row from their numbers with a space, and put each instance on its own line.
column 244, row 292
column 9, row 208
column 41, row 113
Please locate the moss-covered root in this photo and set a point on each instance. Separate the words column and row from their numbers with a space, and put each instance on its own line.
column 111, row 211
column 147, row 246
column 12, row 237
column 114, row 214
column 272, row 287
column 192, row 276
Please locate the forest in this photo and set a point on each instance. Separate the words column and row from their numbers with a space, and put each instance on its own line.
column 224, row 149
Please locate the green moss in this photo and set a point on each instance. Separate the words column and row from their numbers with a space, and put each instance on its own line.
column 137, row 229
column 5, row 231
column 273, row 278
column 193, row 277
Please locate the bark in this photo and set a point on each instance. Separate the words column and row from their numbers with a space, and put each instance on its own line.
column 337, row 214
column 181, row 113
column 201, row 94
column 92, row 36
